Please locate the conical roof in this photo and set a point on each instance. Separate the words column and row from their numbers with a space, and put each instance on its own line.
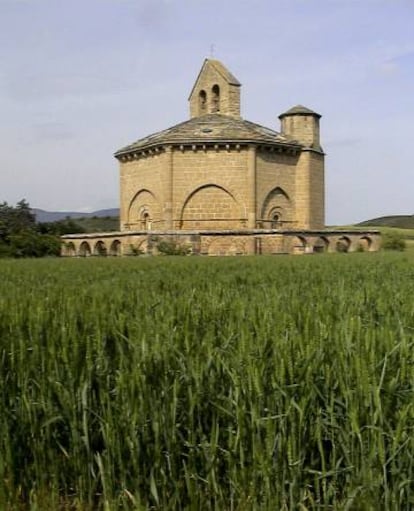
column 299, row 110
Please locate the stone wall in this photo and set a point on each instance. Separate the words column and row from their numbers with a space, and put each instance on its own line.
column 209, row 188
column 275, row 189
column 141, row 189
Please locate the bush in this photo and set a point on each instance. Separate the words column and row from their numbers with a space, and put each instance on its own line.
column 391, row 241
column 172, row 248
column 31, row 244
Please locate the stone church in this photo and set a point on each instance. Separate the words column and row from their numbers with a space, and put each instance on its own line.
column 218, row 184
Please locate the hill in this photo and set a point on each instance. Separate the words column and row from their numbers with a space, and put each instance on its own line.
column 55, row 216
column 400, row 221
column 103, row 220
column 99, row 223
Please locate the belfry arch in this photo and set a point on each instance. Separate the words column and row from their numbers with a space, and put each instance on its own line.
column 202, row 102
column 215, row 99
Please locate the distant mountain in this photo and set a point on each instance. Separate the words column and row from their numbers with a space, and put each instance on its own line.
column 54, row 216
column 401, row 221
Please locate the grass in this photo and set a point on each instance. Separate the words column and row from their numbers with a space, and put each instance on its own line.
column 208, row 383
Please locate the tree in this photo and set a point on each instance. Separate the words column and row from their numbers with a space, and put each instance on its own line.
column 19, row 235
column 15, row 219
column 60, row 227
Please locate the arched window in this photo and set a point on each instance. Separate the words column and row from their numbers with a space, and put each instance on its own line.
column 202, row 102
column 275, row 221
column 215, row 105
column 145, row 221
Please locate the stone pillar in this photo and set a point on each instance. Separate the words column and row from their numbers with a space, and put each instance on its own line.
column 251, row 197
column 168, row 188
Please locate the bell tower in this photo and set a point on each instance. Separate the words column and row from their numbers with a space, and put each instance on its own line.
column 216, row 91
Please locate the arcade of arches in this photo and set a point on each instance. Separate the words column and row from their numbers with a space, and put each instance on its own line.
column 215, row 243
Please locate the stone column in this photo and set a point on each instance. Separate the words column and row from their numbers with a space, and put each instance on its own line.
column 251, row 196
column 168, row 189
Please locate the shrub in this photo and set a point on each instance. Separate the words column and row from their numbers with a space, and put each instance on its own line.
column 392, row 241
column 169, row 247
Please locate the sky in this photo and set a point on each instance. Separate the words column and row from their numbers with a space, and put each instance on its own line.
column 81, row 78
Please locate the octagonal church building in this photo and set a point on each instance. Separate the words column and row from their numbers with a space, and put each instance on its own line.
column 218, row 184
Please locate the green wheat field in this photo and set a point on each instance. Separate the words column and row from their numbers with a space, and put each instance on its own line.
column 228, row 384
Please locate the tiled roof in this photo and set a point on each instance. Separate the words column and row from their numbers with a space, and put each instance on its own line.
column 211, row 128
column 299, row 109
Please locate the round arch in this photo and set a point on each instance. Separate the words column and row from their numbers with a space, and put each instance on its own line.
column 300, row 245
column 343, row 244
column 115, row 248
column 85, row 249
column 365, row 244
column 143, row 210
column 100, row 248
column 70, row 249
column 321, row 244
column 202, row 102
column 211, row 206
column 275, row 208
column 215, row 99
